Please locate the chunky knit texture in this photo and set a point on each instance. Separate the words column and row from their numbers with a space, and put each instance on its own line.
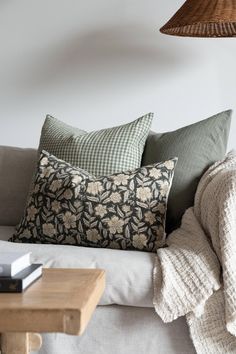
column 197, row 271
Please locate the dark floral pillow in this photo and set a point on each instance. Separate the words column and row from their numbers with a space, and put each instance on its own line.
column 69, row 206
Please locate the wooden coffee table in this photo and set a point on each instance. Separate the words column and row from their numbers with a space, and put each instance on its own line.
column 63, row 300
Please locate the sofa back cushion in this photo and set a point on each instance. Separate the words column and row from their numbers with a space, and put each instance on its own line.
column 16, row 170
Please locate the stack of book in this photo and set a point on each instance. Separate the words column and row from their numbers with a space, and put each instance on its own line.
column 16, row 272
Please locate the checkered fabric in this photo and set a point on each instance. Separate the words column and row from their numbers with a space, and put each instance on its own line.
column 100, row 152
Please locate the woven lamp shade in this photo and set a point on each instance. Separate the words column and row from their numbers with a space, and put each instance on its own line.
column 203, row 18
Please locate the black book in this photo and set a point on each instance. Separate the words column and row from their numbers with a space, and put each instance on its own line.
column 21, row 280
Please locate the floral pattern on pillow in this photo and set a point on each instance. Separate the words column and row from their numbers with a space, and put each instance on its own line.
column 69, row 206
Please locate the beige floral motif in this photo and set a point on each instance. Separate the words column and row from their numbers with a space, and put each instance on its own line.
column 161, row 208
column 56, row 206
column 115, row 197
column 69, row 220
column 55, row 185
column 169, row 164
column 115, row 225
column 49, row 230
column 93, row 235
column 126, row 208
column 164, row 187
column 31, row 212
column 44, row 161
column 94, row 188
column 100, row 210
column 139, row 241
column 68, row 194
column 121, row 179
column 47, row 171
column 150, row 217
column 76, row 179
column 144, row 193
column 155, row 173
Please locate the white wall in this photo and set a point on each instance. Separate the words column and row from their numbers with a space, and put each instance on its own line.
column 96, row 64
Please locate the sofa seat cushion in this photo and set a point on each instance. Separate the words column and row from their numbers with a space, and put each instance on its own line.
column 128, row 273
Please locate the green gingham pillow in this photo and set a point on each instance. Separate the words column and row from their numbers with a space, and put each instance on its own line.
column 126, row 210
column 100, row 152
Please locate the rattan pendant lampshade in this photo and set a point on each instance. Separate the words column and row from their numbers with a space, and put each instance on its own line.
column 203, row 18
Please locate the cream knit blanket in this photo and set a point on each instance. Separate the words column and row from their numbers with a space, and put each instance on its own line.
column 196, row 274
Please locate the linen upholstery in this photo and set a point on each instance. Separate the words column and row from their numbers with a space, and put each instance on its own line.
column 128, row 273
column 130, row 329
column 16, row 170
column 102, row 152
column 123, row 330
column 197, row 146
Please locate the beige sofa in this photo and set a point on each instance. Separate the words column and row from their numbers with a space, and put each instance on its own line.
column 125, row 322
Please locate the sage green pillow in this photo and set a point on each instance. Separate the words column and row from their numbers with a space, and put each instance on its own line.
column 197, row 146
column 100, row 152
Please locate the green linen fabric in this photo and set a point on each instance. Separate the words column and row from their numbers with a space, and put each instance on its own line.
column 197, row 146
column 100, row 152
